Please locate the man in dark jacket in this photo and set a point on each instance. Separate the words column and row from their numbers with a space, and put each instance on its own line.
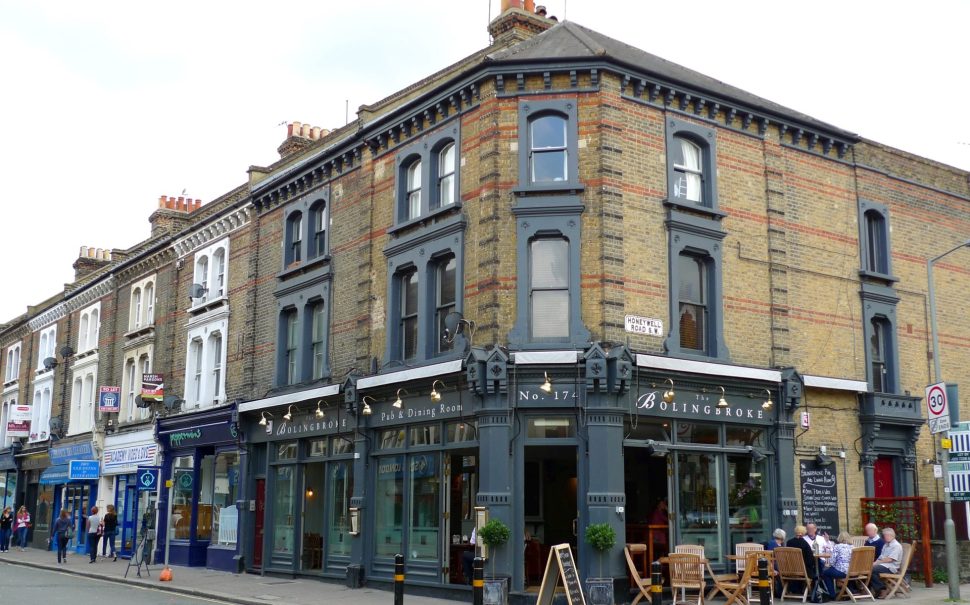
column 873, row 538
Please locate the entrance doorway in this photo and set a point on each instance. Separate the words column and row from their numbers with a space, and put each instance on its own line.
column 647, row 499
column 461, row 476
column 77, row 500
column 259, row 523
column 550, row 507
column 884, row 478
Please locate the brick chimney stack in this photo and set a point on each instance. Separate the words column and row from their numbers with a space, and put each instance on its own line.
column 299, row 136
column 173, row 214
column 89, row 260
column 519, row 20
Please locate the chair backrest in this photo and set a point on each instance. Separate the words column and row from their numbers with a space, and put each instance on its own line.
column 686, row 570
column 791, row 564
column 629, row 562
column 907, row 556
column 741, row 550
column 690, row 549
column 860, row 564
column 858, row 541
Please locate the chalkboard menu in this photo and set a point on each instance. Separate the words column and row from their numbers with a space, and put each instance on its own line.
column 820, row 496
column 561, row 568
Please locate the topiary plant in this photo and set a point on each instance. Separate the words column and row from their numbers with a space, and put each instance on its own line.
column 494, row 534
column 602, row 537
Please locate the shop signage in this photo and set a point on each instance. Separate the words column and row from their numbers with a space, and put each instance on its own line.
column 63, row 454
column 820, row 496
column 559, row 396
column 109, row 399
column 183, row 479
column 200, row 435
column 153, row 387
column 635, row 324
column 416, row 409
column 7, row 461
column 309, row 425
column 148, row 478
column 421, row 465
column 121, row 459
column 83, row 470
column 35, row 461
column 18, row 421
column 693, row 405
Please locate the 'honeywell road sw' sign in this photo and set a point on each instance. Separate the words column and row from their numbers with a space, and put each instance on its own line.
column 644, row 325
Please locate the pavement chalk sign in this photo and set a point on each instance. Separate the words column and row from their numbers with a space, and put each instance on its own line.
column 561, row 571
column 937, row 408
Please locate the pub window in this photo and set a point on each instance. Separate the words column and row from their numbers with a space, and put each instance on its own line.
column 342, row 444
column 687, row 165
column 446, row 175
column 445, row 300
column 551, row 427
column 409, row 314
column 691, row 166
column 286, row 451
column 458, row 432
column 643, row 429
column 877, row 247
column 294, row 238
column 429, row 434
column 879, row 356
column 291, row 347
column 389, row 506
column 392, row 438
column 693, row 305
column 695, row 432
column 411, row 207
column 318, row 222
column 548, row 150
column 318, row 338
column 549, row 288
column 219, row 272
column 318, row 447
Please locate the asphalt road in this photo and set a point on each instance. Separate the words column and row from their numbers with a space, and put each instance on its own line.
column 27, row 585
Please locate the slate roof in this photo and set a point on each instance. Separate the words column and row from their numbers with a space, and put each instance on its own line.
column 571, row 41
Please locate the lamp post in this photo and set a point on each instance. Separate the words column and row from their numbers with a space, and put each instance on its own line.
column 949, row 529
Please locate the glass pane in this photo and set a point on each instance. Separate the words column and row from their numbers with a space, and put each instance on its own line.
column 740, row 435
column 341, row 489
column 699, row 514
column 550, row 314
column 182, row 496
column 689, row 432
column 691, row 271
column 647, row 429
column 311, row 557
column 692, row 187
column 692, row 327
column 426, row 435
column 548, row 131
column 462, row 431
column 284, row 510
column 747, row 500
column 425, row 515
column 414, row 176
column 225, row 488
column 549, row 166
column 342, row 444
column 318, row 447
column 446, row 190
column 410, row 289
column 414, row 204
column 446, row 160
column 389, row 505
column 391, row 438
column 203, row 526
column 287, row 451
column 446, row 283
column 410, row 333
column 550, row 263
column 553, row 427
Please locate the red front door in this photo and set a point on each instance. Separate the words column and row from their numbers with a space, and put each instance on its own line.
column 260, row 510
column 885, row 485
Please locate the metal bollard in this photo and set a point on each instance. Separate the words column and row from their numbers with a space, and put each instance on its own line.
column 398, row 579
column 764, row 584
column 478, row 581
column 656, row 583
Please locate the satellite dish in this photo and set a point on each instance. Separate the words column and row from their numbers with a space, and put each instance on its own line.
column 50, row 363
column 56, row 424
column 171, row 402
column 67, row 351
column 196, row 290
column 452, row 325
column 142, row 403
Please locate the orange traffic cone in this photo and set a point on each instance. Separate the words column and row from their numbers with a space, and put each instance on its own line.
column 165, row 575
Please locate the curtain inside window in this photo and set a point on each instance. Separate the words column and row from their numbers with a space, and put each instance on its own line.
column 692, row 170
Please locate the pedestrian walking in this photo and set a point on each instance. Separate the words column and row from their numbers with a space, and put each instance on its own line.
column 63, row 532
column 110, row 531
column 6, row 529
column 94, row 528
column 22, row 525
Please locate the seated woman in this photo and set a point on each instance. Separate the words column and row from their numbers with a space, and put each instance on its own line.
column 838, row 565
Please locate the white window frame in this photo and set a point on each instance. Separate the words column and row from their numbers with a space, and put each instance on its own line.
column 40, row 419
column 141, row 313
column 208, row 273
column 89, row 328
column 81, row 419
column 9, row 399
column 12, row 366
column 132, row 389
column 211, row 388
column 48, row 345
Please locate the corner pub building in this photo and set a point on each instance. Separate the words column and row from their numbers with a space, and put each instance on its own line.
column 537, row 205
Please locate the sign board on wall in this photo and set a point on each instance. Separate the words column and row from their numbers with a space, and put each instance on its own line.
column 643, row 325
column 820, row 495
column 18, row 421
column 83, row 470
column 152, row 387
column 109, row 399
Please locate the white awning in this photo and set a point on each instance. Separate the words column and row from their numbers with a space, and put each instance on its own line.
column 673, row 364
column 522, row 358
column 438, row 369
column 294, row 397
column 836, row 384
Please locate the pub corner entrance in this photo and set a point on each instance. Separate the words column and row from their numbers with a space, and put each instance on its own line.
column 550, row 510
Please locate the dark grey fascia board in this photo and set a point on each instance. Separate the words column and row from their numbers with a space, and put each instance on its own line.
column 452, row 224
column 316, row 157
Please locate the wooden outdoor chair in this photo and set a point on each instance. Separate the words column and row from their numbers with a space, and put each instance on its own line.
column 860, row 571
column 737, row 590
column 686, row 573
column 791, row 568
column 692, row 549
column 643, row 585
column 896, row 582
column 857, row 541
column 768, row 555
column 729, row 578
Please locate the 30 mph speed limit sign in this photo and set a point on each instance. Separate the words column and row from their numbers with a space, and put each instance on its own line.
column 937, row 408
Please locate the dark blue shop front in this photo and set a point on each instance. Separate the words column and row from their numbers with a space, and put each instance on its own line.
column 74, row 475
column 202, row 459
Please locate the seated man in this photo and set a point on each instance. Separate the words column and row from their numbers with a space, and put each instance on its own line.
column 888, row 562
column 873, row 539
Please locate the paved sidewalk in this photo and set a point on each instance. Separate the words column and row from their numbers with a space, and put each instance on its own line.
column 250, row 589
column 246, row 589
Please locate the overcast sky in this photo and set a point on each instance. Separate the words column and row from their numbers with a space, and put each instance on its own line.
column 105, row 106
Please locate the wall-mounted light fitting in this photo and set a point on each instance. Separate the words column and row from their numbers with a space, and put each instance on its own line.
column 262, row 420
column 435, row 395
column 547, row 385
column 365, row 407
column 756, row 456
column 722, row 402
column 399, row 403
column 289, row 413
column 669, row 394
column 319, row 413
column 768, row 402
column 823, row 459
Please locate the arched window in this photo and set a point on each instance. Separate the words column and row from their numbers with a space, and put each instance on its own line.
column 318, row 224
column 294, row 238
column 446, row 175
column 689, row 168
column 130, row 384
column 77, row 396
column 195, row 355
column 87, row 404
column 880, row 359
column 135, row 311
column 692, row 293
column 94, row 329
column 219, row 272
column 409, row 314
column 412, row 192
column 43, row 350
column 291, row 362
column 215, row 350
column 82, row 336
column 877, row 253
column 548, row 151
column 444, row 299
column 202, row 276
column 318, row 332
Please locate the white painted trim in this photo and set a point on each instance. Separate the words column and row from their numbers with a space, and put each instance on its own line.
column 437, row 369
column 522, row 358
column 143, row 437
column 836, row 384
column 260, row 404
column 704, row 367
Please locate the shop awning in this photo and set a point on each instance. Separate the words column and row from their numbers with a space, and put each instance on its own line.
column 54, row 475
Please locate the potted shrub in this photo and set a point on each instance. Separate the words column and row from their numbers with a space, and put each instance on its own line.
column 602, row 537
column 494, row 534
